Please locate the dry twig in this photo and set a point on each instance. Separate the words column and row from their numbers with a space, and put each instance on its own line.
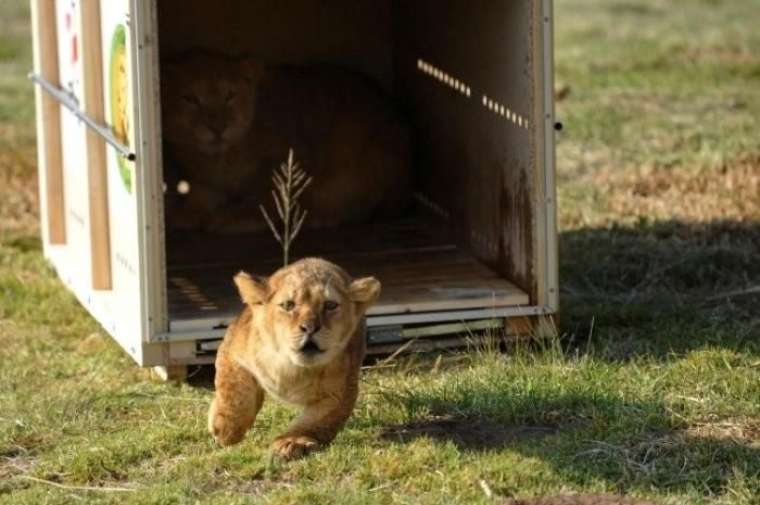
column 289, row 182
column 79, row 488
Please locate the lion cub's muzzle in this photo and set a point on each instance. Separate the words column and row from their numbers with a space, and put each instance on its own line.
column 309, row 346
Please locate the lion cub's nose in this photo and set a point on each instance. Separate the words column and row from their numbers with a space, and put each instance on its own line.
column 310, row 327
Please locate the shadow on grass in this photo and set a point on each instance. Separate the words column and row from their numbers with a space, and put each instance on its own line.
column 470, row 434
column 664, row 287
column 201, row 376
column 654, row 290
column 601, row 439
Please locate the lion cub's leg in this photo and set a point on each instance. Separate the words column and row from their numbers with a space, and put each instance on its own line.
column 316, row 426
column 237, row 402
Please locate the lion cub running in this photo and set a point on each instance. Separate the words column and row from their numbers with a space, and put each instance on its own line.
column 300, row 339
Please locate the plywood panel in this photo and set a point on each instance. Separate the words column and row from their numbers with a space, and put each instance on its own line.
column 45, row 41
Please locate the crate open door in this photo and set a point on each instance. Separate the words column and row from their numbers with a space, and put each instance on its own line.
column 93, row 192
column 478, row 246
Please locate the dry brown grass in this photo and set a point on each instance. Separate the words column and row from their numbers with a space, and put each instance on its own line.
column 744, row 430
column 579, row 500
column 731, row 191
column 725, row 191
column 19, row 201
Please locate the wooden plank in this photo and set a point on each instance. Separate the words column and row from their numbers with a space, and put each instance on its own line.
column 415, row 280
column 45, row 42
column 257, row 260
column 220, row 280
column 406, row 269
column 460, row 289
column 520, row 325
column 392, row 301
column 192, row 360
column 97, row 175
column 471, row 286
column 548, row 277
column 538, row 145
column 142, row 25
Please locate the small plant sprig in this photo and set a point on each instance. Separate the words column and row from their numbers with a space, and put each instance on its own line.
column 289, row 182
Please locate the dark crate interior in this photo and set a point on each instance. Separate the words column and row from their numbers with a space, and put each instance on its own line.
column 463, row 73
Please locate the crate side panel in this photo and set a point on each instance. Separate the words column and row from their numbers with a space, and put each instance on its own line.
column 466, row 70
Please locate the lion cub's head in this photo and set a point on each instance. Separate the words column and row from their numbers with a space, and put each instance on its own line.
column 310, row 309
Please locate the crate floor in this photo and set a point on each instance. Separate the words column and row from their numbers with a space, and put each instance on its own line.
column 420, row 268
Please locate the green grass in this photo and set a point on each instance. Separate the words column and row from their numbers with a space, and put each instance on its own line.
column 653, row 391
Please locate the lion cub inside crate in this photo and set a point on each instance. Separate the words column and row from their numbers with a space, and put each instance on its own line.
column 228, row 122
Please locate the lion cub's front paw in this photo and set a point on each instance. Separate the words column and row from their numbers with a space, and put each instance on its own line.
column 225, row 430
column 226, row 436
column 226, row 433
column 292, row 447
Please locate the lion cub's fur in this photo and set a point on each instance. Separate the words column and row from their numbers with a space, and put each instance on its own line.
column 229, row 122
column 301, row 340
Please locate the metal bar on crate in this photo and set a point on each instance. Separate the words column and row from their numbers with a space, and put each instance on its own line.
column 67, row 101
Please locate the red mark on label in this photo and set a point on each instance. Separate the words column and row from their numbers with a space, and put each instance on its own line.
column 74, row 49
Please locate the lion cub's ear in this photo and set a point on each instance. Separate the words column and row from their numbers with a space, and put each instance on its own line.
column 252, row 290
column 365, row 291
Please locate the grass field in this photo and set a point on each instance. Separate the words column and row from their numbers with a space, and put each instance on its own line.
column 653, row 391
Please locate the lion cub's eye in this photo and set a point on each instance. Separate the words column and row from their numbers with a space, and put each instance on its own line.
column 331, row 305
column 288, row 305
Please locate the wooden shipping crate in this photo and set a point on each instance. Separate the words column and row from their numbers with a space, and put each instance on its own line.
column 478, row 251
